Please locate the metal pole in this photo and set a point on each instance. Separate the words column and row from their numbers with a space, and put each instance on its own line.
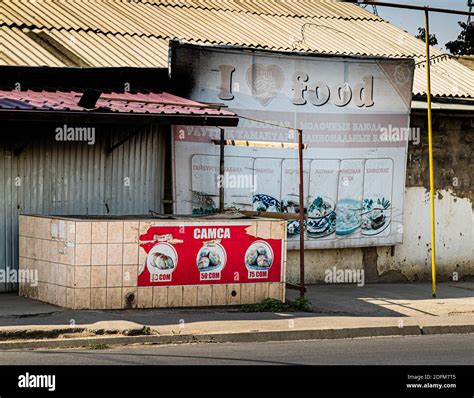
column 221, row 173
column 417, row 8
column 301, row 210
column 430, row 155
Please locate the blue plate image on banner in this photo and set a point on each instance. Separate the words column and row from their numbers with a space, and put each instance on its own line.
column 348, row 216
column 262, row 202
column 321, row 217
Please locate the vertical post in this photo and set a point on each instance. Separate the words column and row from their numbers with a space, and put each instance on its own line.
column 301, row 210
column 430, row 155
column 221, row 173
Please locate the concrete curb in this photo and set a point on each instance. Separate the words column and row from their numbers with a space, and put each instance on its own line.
column 237, row 337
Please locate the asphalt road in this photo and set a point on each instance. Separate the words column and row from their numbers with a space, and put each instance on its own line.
column 419, row 350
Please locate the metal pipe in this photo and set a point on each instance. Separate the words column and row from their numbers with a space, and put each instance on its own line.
column 418, row 8
column 301, row 209
column 221, row 172
column 430, row 155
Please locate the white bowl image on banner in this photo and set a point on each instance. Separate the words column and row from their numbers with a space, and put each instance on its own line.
column 259, row 256
column 162, row 259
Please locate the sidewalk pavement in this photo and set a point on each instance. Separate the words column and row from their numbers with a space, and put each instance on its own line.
column 339, row 311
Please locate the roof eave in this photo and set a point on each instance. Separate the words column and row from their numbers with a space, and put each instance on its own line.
column 115, row 117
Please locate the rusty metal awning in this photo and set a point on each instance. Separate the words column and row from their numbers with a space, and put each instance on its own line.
column 110, row 107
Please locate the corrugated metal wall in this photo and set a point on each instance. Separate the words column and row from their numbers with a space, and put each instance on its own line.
column 56, row 178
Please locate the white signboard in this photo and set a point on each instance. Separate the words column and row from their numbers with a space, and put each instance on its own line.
column 354, row 114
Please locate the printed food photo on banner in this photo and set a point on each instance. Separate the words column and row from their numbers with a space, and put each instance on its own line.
column 258, row 259
column 201, row 253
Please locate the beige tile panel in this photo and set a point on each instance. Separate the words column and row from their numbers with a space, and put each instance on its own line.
column 83, row 232
column 264, row 229
column 145, row 297
column 247, row 293
column 275, row 291
column 190, row 296
column 114, row 298
column 160, row 296
column 99, row 254
column 30, row 227
column 129, row 275
column 114, row 254
column 22, row 262
column 54, row 251
column 98, row 298
column 130, row 231
column 99, row 231
column 42, row 291
column 70, row 297
column 61, row 296
column 22, row 246
column 82, row 298
column 22, row 225
column 46, row 250
column 204, row 295
column 82, row 277
column 83, row 254
column 71, row 231
column 54, row 229
column 278, row 230
column 261, row 291
column 62, row 274
column 38, row 248
column 219, row 293
column 70, row 275
column 62, row 230
column 175, row 296
column 51, row 294
column 44, row 271
column 114, row 275
column 130, row 253
column 53, row 275
column 283, row 291
column 30, row 247
column 98, row 276
column 115, row 232
column 38, row 227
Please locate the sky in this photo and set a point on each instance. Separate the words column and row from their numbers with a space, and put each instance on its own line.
column 443, row 25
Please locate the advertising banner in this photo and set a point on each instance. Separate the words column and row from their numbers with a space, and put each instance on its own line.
column 354, row 114
column 197, row 254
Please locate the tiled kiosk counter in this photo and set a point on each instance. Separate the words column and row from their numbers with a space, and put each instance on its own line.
column 112, row 263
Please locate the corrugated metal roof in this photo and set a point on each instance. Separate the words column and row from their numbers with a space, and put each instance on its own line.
column 330, row 27
column 290, row 8
column 136, row 33
column 150, row 103
column 449, row 78
column 18, row 49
